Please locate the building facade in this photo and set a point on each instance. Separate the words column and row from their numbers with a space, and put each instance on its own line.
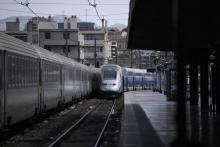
column 62, row 41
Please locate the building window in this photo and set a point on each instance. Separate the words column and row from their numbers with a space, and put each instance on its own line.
column 100, row 49
column 47, row 35
column 66, row 35
column 94, row 36
column 47, row 47
column 68, row 25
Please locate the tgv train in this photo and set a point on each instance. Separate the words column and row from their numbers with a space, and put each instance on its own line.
column 34, row 80
column 112, row 82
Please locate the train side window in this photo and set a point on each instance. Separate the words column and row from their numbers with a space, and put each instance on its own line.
column 45, row 72
column 16, row 72
column 34, row 72
column 25, row 72
column 21, row 67
column 52, row 73
column 9, row 71
column 19, row 72
column 31, row 72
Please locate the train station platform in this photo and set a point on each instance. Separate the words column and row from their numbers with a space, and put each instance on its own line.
column 149, row 120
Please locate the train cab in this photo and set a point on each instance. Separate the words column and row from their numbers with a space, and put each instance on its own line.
column 111, row 85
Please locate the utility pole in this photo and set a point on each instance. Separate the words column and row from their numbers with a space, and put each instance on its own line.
column 66, row 47
column 116, row 55
column 95, row 53
column 131, row 57
column 78, row 51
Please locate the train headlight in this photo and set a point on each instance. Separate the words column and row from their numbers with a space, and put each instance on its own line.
column 104, row 84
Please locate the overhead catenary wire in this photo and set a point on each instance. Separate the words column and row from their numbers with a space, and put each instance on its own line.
column 110, row 14
column 72, row 4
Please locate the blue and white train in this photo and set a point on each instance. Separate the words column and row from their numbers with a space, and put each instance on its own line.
column 138, row 78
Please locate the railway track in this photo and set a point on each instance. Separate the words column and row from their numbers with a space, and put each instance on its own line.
column 88, row 130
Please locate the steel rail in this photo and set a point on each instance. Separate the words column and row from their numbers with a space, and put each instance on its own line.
column 103, row 129
column 72, row 127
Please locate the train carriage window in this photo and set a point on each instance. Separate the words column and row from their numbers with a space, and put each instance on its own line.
column 19, row 75
column 34, row 72
column 48, row 73
column 56, row 73
column 13, row 71
column 16, row 72
column 53, row 73
column 74, row 74
column 22, row 72
column 82, row 76
column 78, row 75
column 45, row 72
column 9, row 71
column 31, row 73
column 27, row 72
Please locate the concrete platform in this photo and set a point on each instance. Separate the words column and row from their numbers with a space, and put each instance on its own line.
column 149, row 121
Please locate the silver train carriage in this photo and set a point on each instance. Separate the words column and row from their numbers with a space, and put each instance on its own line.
column 34, row 80
column 111, row 81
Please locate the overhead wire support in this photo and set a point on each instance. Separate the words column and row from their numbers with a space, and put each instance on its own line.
column 27, row 5
column 94, row 5
column 32, row 11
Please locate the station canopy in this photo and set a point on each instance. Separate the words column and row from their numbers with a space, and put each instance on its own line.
column 160, row 24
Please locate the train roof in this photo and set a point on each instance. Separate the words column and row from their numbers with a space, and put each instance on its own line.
column 135, row 70
column 11, row 44
column 47, row 55
column 14, row 45
column 115, row 66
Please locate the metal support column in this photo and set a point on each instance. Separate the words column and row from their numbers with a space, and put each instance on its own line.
column 217, row 79
column 204, row 83
column 193, row 84
column 181, row 108
column 95, row 54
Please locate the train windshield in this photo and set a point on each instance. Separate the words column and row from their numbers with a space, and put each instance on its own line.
column 110, row 75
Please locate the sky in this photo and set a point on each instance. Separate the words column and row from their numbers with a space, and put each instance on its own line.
column 114, row 11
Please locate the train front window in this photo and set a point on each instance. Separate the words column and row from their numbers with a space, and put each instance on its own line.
column 110, row 75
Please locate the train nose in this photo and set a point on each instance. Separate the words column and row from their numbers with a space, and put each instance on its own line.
column 109, row 87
